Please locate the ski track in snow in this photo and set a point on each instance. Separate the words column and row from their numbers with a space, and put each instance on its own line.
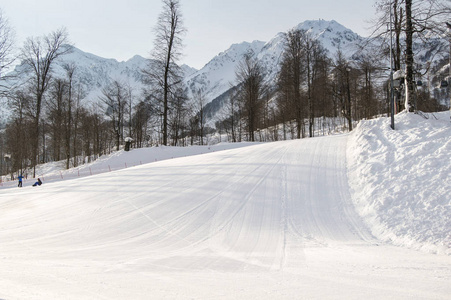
column 268, row 221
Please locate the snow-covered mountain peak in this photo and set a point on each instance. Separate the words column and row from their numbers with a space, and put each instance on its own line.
column 217, row 75
column 321, row 25
column 187, row 70
column 235, row 52
column 82, row 58
column 333, row 35
column 137, row 59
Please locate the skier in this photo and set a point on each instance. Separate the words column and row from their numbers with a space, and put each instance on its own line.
column 20, row 177
column 39, row 182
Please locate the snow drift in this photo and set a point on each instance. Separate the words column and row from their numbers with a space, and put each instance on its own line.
column 401, row 179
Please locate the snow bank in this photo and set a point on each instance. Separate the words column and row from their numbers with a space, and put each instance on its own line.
column 401, row 179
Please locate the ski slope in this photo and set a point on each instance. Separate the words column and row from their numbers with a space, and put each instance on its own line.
column 266, row 221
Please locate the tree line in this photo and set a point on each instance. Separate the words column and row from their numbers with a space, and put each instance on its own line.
column 314, row 93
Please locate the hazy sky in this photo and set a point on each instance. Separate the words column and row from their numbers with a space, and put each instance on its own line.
column 121, row 29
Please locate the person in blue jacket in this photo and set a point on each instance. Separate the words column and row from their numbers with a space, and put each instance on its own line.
column 20, row 177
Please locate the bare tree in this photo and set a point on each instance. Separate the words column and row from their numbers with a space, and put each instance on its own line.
column 70, row 71
column 178, row 115
column 140, row 120
column 199, row 110
column 234, row 111
column 56, row 110
column 287, row 108
column 16, row 136
column 39, row 54
column 77, row 108
column 249, row 77
column 342, row 72
column 315, row 60
column 291, row 78
column 302, row 75
column 129, row 109
column 6, row 49
column 382, row 28
column 163, row 74
column 409, row 55
column 368, row 105
column 115, row 98
column 229, row 119
column 424, row 19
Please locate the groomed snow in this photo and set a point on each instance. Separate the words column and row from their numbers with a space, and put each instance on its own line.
column 264, row 221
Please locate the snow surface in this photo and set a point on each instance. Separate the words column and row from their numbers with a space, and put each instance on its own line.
column 264, row 221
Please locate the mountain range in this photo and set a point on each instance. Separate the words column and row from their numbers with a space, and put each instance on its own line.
column 215, row 78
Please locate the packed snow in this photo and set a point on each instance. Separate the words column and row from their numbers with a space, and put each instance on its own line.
column 319, row 218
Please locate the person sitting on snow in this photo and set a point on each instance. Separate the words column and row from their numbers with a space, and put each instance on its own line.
column 39, row 182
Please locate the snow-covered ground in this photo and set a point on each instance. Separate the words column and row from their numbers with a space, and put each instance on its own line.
column 301, row 219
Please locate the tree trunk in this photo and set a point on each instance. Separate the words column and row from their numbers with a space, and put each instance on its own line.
column 409, row 57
